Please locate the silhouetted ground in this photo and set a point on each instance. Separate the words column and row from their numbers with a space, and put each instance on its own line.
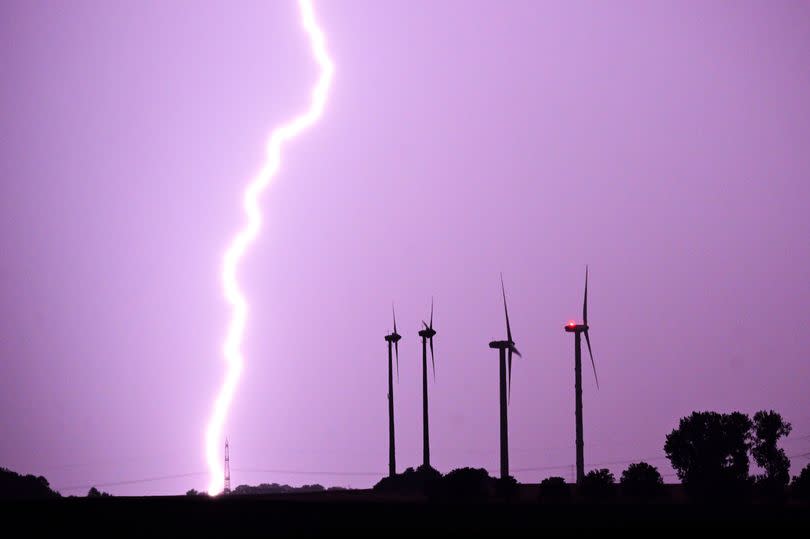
column 302, row 513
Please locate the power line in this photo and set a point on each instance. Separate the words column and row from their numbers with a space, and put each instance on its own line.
column 334, row 473
column 308, row 472
column 131, row 481
column 530, row 469
column 524, row 449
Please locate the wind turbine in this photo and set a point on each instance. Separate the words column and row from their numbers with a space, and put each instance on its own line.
column 505, row 350
column 392, row 339
column 577, row 330
column 427, row 334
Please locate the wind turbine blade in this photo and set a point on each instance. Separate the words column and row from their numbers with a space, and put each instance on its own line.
column 588, row 341
column 432, row 359
column 585, row 302
column 423, row 323
column 506, row 312
column 396, row 349
column 431, row 312
column 509, row 381
column 515, row 350
column 395, row 317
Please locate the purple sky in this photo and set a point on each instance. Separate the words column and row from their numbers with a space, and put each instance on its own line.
column 666, row 144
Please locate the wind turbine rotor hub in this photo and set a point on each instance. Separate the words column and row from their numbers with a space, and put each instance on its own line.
column 576, row 328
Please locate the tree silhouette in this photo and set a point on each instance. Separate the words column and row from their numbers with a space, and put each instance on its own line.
column 800, row 488
column 709, row 451
column 641, row 480
column 598, row 485
column 95, row 493
column 768, row 428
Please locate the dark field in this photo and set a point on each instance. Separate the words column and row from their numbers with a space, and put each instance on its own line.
column 358, row 510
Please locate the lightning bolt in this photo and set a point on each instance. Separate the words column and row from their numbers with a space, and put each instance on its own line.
column 247, row 235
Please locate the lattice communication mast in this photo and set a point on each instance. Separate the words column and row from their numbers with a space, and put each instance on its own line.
column 227, row 489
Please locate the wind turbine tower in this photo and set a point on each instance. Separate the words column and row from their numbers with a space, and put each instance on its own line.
column 505, row 351
column 392, row 340
column 427, row 335
column 578, row 330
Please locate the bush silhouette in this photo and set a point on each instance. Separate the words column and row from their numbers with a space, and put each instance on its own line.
column 507, row 487
column 420, row 481
column 642, row 480
column 554, row 489
column 709, row 451
column 467, row 483
column 800, row 488
column 598, row 485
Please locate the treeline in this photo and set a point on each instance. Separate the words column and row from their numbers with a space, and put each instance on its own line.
column 271, row 488
column 32, row 487
column 711, row 453
column 14, row 485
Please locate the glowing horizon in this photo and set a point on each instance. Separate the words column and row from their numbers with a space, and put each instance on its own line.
column 246, row 236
